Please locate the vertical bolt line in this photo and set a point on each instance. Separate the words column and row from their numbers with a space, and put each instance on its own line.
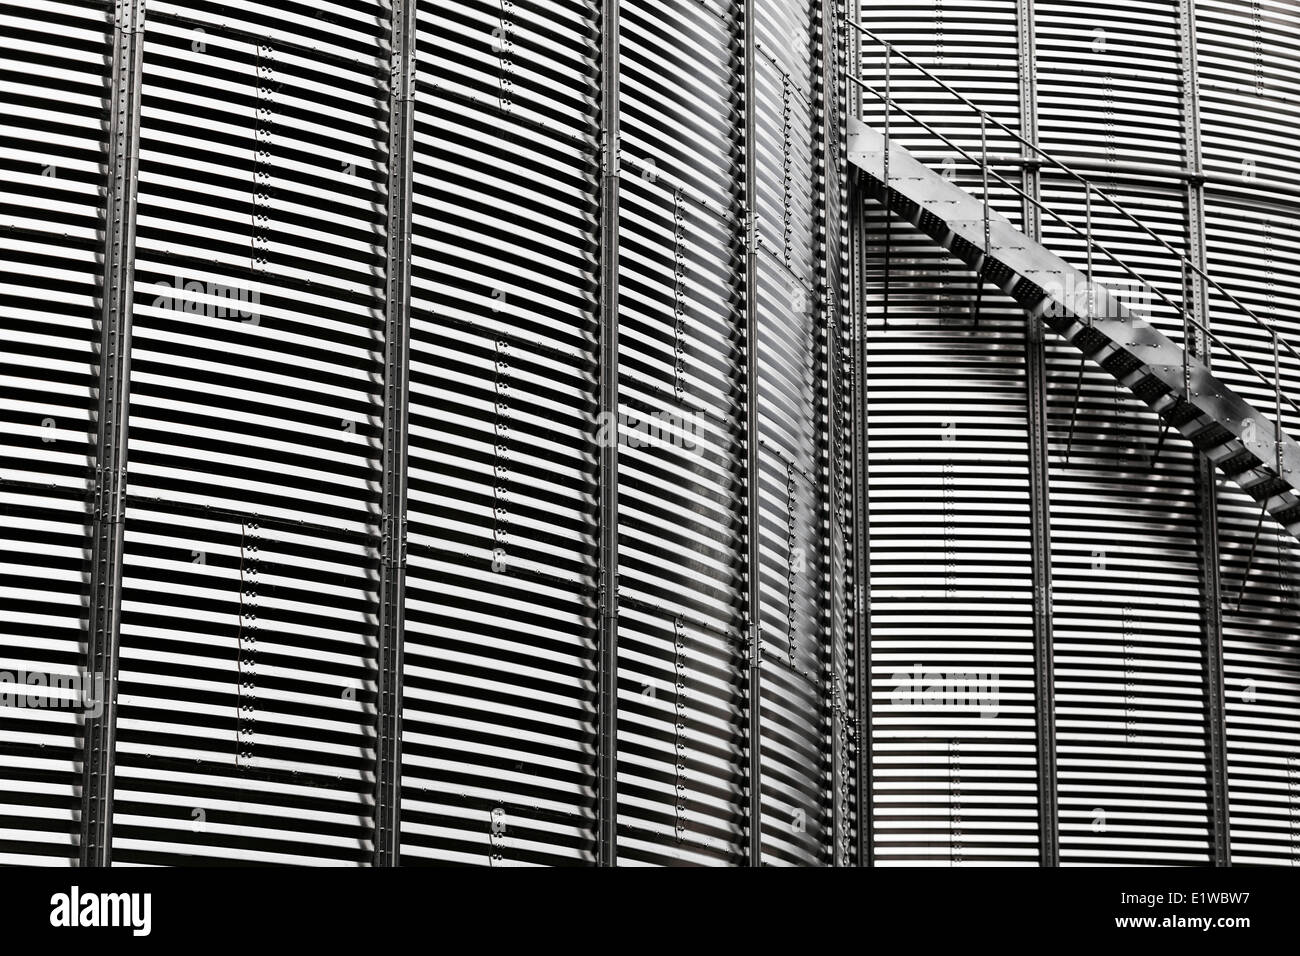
column 838, row 33
column 396, row 390
column 607, row 690
column 828, row 202
column 858, row 415
column 753, row 602
column 103, row 633
column 1206, row 493
column 984, row 197
column 1039, row 471
column 861, row 564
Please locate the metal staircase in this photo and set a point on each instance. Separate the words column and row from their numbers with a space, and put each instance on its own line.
column 1242, row 442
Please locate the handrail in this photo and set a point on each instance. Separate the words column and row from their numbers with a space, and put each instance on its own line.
column 1279, row 343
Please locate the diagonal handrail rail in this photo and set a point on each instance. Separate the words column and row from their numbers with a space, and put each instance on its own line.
column 1189, row 320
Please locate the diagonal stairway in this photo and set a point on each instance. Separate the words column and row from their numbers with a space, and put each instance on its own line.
column 1241, row 442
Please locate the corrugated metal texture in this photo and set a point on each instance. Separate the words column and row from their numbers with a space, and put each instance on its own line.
column 951, row 617
column 500, row 608
column 1126, row 563
column 1129, row 658
column 248, row 636
column 1249, row 85
column 1127, row 592
column 248, row 606
column 951, row 640
column 1131, row 742
column 1252, row 245
column 1128, row 601
column 970, row 44
column 681, row 548
column 1108, row 79
column 835, row 402
column 797, row 819
column 51, row 213
column 1248, row 96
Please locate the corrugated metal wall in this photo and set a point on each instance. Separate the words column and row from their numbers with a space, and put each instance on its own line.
column 947, row 417
column 52, row 154
column 249, row 633
column 253, row 523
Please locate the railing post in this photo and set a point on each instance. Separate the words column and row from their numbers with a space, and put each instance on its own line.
column 984, row 197
column 889, row 101
column 1088, row 290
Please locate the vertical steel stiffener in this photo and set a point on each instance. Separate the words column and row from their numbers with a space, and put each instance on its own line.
column 1207, row 506
column 753, row 600
column 607, row 652
column 861, row 583
column 105, row 618
column 829, row 205
column 1039, row 492
column 396, row 386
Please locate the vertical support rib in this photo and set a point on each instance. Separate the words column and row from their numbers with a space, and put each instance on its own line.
column 1039, row 493
column 607, row 691
column 753, row 601
column 1206, row 494
column 396, row 386
column 858, row 416
column 104, row 628
column 861, row 563
column 829, row 207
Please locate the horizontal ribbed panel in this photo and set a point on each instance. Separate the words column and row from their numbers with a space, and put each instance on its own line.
column 247, row 613
column 50, row 211
column 796, row 821
column 681, row 546
column 500, row 613
column 954, row 778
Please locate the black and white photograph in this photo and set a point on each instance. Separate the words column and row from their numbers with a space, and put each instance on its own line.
column 541, row 434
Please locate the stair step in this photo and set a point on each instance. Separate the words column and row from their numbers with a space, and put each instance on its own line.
column 1150, row 389
column 996, row 272
column 933, row 226
column 1211, row 436
column 1239, row 463
column 1270, row 487
column 1121, row 364
column 1181, row 413
column 1288, row 516
column 965, row 250
column 1028, row 293
column 1089, row 341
